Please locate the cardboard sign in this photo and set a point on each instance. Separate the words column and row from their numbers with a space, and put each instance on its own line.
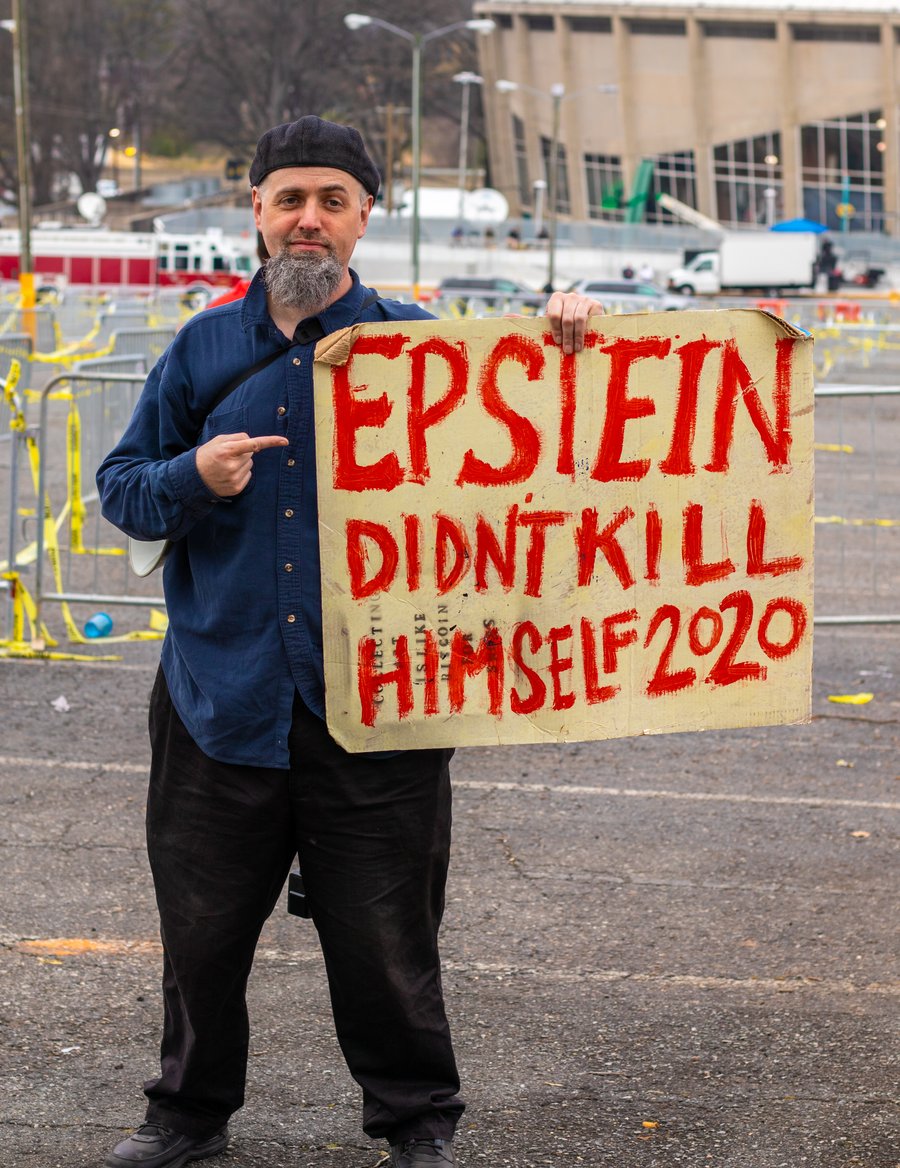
column 523, row 546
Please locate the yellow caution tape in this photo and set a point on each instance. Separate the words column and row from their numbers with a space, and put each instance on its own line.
column 858, row 522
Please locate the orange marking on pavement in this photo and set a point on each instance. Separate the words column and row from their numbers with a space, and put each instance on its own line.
column 74, row 946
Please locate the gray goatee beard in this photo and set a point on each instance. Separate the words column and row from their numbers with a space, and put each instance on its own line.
column 304, row 282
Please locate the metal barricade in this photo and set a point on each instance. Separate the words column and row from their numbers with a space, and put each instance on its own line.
column 149, row 343
column 38, row 323
column 76, row 557
column 857, row 554
column 16, row 347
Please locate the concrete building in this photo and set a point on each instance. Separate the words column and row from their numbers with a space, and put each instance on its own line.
column 748, row 112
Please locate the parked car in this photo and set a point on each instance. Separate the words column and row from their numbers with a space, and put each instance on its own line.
column 632, row 295
column 496, row 293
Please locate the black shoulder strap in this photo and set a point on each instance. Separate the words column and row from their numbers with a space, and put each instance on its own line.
column 306, row 332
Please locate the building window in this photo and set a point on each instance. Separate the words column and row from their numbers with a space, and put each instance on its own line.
column 520, row 150
column 755, row 30
column 846, row 33
column 657, row 27
column 675, row 175
column 842, row 170
column 601, row 24
column 539, row 23
column 744, row 170
column 605, row 187
column 502, row 20
column 563, row 202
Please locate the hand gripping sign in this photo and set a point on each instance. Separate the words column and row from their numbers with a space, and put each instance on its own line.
column 524, row 546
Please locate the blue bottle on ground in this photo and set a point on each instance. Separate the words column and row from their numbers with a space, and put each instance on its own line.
column 98, row 625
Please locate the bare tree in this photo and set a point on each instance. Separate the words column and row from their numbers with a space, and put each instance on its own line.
column 220, row 71
column 87, row 64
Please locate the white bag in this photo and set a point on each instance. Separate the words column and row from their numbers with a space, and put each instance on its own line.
column 146, row 555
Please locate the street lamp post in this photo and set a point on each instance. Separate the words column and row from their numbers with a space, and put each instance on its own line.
column 417, row 41
column 557, row 95
column 16, row 26
column 466, row 80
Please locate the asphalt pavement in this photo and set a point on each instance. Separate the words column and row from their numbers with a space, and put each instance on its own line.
column 658, row 951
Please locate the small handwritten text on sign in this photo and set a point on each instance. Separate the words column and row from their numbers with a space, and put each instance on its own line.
column 524, row 546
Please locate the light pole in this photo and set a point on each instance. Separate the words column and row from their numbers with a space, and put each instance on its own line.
column 770, row 194
column 557, row 95
column 357, row 20
column 23, row 154
column 466, row 80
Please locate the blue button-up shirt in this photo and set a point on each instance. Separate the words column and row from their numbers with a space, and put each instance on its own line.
column 241, row 580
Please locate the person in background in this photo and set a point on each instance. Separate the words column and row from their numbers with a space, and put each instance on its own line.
column 244, row 774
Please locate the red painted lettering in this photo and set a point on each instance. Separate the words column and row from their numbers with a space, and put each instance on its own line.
column 524, row 436
column 412, row 537
column 664, row 681
column 465, row 661
column 653, row 534
column 588, row 541
column 620, row 408
column 695, row 570
column 352, row 414
column 727, row 670
column 562, row 700
column 359, row 530
column 757, row 565
column 420, row 417
column 538, row 694
column 538, row 522
column 370, row 682
column 487, row 547
column 734, row 376
column 679, row 460
column 594, row 692
column 450, row 536
column 797, row 615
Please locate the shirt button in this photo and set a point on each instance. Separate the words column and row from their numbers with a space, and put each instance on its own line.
column 296, row 361
column 281, row 411
column 288, row 567
column 289, row 514
column 291, row 462
column 291, row 618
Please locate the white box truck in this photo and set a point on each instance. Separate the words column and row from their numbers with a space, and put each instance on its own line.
column 757, row 261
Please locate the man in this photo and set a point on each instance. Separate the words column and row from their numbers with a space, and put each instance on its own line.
column 244, row 774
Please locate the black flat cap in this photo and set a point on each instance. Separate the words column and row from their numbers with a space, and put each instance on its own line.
column 314, row 142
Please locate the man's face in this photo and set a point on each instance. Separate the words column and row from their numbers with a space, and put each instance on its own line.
column 309, row 210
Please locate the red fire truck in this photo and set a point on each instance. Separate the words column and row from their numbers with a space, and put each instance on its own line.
column 80, row 256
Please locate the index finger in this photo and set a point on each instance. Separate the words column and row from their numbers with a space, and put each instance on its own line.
column 254, row 445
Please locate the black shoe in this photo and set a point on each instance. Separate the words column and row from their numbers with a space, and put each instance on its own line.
column 422, row 1154
column 155, row 1146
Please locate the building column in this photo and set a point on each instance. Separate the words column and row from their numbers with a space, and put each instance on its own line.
column 700, row 101
column 889, row 113
column 570, row 116
column 789, row 130
column 496, row 111
column 631, row 159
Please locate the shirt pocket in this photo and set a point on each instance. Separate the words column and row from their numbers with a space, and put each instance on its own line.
column 225, row 422
column 228, row 422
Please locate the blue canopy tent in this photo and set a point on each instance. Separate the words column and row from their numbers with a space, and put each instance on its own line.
column 799, row 225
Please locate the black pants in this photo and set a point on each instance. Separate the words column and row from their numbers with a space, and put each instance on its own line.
column 373, row 838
